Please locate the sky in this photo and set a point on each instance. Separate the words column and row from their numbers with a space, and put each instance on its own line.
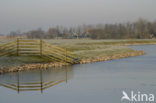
column 24, row 15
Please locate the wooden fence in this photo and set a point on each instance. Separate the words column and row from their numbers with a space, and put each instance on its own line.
column 37, row 47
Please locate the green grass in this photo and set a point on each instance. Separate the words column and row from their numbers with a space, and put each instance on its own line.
column 105, row 52
column 102, row 42
column 86, row 48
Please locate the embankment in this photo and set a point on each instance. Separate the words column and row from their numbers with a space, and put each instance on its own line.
column 57, row 64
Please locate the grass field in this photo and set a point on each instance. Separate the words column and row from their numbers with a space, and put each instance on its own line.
column 82, row 48
column 86, row 48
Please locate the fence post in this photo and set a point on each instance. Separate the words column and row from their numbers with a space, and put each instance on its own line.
column 41, row 47
column 66, row 55
column 17, row 46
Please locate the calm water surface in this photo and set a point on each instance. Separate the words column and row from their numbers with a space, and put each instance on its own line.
column 101, row 82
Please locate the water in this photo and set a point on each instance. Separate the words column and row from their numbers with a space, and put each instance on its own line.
column 101, row 82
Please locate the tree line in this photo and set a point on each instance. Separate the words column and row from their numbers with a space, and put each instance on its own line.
column 141, row 29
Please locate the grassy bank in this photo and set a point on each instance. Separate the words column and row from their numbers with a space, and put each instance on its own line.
column 13, row 61
column 87, row 51
column 103, row 42
column 101, row 50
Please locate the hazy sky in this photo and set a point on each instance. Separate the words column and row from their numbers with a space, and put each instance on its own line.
column 31, row 14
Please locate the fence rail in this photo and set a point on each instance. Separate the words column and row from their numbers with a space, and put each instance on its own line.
column 37, row 47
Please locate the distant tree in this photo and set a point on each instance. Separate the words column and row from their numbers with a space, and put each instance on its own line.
column 14, row 34
column 39, row 33
column 141, row 29
column 52, row 33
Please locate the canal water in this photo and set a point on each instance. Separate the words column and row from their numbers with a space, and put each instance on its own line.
column 101, row 82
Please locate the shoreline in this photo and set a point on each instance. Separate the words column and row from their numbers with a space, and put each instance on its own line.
column 59, row 64
column 114, row 57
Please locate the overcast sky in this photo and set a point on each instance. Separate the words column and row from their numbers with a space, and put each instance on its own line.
column 31, row 14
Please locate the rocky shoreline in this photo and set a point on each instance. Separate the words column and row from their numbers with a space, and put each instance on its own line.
column 58, row 64
column 114, row 57
column 32, row 67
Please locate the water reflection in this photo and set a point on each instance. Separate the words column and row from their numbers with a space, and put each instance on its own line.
column 37, row 80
